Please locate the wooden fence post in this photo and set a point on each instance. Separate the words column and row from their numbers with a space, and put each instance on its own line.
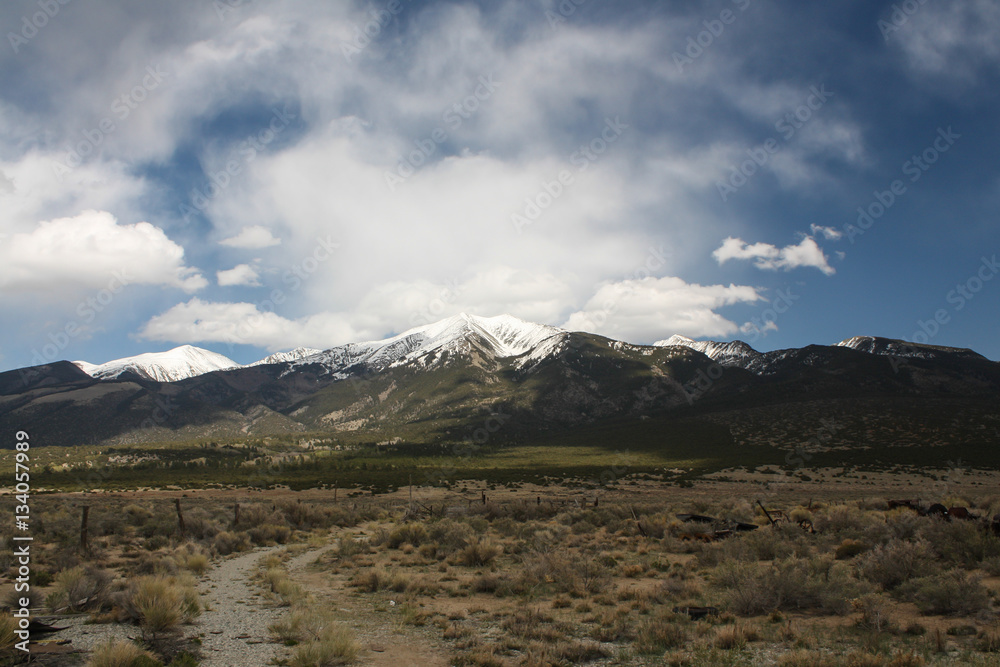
column 84, row 542
column 180, row 515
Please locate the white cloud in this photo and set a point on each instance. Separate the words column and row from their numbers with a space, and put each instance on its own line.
column 253, row 238
column 769, row 257
column 246, row 324
column 655, row 308
column 88, row 251
column 956, row 39
column 829, row 233
column 241, row 274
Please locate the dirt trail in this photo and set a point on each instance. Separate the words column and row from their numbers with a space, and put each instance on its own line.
column 235, row 626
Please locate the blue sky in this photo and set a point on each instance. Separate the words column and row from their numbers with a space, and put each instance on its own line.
column 252, row 176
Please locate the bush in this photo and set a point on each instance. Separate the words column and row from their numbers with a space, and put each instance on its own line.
column 895, row 563
column 8, row 627
column 409, row 533
column 118, row 653
column 656, row 635
column 874, row 610
column 756, row 588
column 159, row 604
column 377, row 579
column 953, row 593
column 737, row 636
column 962, row 543
column 227, row 542
column 334, row 645
column 849, row 549
column 80, row 588
column 197, row 563
column 478, row 553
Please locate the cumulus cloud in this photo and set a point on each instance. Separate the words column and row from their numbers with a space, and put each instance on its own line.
column 253, row 238
column 246, row 324
column 768, row 257
column 241, row 274
column 653, row 308
column 89, row 250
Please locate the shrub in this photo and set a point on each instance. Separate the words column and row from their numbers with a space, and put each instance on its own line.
column 408, row 533
column 337, row 647
column 8, row 627
column 895, row 563
column 118, row 653
column 658, row 634
column 373, row 580
column 159, row 604
column 755, row 588
column 449, row 536
column 874, row 610
column 269, row 533
column 197, row 563
column 80, row 588
column 849, row 549
column 227, row 542
column 478, row 553
column 737, row 636
column 952, row 593
column 961, row 542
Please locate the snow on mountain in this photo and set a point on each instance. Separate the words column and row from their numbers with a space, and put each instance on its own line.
column 176, row 364
column 283, row 357
column 500, row 337
column 901, row 348
column 735, row 353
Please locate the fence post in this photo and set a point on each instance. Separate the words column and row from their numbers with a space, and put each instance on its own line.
column 84, row 543
column 180, row 515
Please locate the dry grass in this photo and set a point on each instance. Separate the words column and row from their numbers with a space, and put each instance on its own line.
column 117, row 653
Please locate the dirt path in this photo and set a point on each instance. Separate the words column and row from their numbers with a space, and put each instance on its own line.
column 235, row 625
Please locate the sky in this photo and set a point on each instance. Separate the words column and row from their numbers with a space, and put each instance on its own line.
column 251, row 176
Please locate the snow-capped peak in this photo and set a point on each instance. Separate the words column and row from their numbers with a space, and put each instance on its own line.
column 176, row 364
column 501, row 337
column 901, row 348
column 283, row 357
column 676, row 339
column 733, row 353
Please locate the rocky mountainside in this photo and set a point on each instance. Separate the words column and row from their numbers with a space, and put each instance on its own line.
column 440, row 382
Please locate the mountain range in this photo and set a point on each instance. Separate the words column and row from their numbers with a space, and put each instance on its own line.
column 519, row 382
